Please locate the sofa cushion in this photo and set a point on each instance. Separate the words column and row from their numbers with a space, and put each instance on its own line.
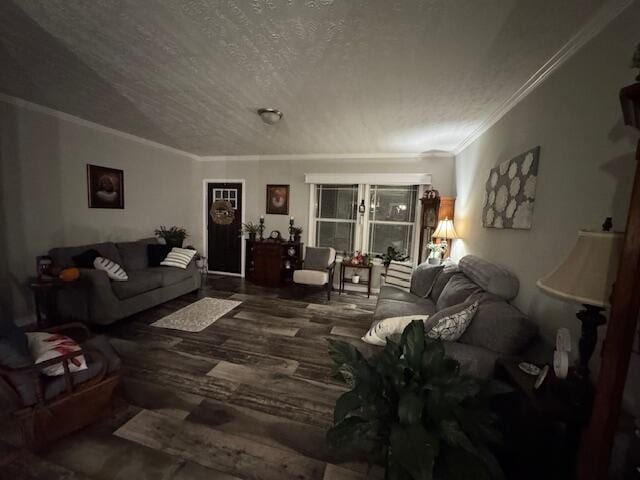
column 393, row 293
column 63, row 256
column 172, row 275
column 499, row 326
column 134, row 255
column 387, row 308
column 441, row 280
column 490, row 277
column 86, row 258
column 398, row 274
column 156, row 253
column 423, row 278
column 456, row 291
column 476, row 361
column 140, row 281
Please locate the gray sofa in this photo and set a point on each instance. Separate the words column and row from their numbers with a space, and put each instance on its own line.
column 95, row 298
column 497, row 329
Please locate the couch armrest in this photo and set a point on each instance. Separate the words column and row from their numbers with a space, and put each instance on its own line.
column 90, row 299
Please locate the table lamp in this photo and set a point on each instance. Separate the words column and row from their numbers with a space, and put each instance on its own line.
column 586, row 276
column 446, row 231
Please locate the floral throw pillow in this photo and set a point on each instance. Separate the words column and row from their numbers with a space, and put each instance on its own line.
column 450, row 323
column 45, row 346
column 389, row 327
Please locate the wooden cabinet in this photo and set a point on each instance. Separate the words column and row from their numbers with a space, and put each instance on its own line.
column 434, row 209
column 272, row 263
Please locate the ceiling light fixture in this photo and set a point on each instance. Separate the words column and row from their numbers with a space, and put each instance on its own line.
column 270, row 116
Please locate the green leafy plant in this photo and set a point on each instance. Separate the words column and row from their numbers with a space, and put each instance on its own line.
column 436, row 249
column 296, row 231
column 251, row 229
column 392, row 255
column 413, row 410
column 173, row 236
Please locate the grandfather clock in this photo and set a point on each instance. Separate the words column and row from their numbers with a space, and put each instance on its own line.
column 434, row 209
column 597, row 441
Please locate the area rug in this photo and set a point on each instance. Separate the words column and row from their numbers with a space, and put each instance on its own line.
column 197, row 316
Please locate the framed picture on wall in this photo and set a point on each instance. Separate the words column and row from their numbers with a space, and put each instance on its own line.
column 105, row 187
column 277, row 200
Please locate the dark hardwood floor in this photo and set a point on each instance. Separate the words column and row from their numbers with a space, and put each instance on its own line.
column 250, row 397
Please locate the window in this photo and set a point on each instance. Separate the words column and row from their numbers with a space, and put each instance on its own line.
column 389, row 222
column 391, row 218
column 229, row 194
column 336, row 213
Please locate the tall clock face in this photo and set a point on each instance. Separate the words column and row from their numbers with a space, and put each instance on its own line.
column 431, row 218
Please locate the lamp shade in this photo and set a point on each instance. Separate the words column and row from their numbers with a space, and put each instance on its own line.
column 445, row 230
column 587, row 274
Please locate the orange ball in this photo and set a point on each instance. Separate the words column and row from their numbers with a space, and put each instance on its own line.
column 69, row 274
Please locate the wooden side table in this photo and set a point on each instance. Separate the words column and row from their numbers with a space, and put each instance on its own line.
column 357, row 266
column 541, row 427
column 46, row 302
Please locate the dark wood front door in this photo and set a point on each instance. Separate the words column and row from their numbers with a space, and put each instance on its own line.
column 224, row 227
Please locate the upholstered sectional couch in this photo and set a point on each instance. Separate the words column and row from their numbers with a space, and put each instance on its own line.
column 97, row 299
column 497, row 329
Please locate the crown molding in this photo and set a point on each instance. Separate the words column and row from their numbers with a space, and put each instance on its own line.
column 605, row 15
column 326, row 156
column 19, row 102
column 371, row 178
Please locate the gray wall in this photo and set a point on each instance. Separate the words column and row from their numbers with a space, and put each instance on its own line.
column 585, row 174
column 258, row 174
column 43, row 199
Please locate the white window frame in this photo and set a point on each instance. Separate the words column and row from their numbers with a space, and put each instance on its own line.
column 361, row 237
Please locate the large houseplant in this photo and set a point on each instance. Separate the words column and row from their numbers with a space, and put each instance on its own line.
column 173, row 236
column 413, row 410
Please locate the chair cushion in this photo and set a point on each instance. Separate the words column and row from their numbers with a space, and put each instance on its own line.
column 310, row 277
column 456, row 291
column 46, row 346
column 423, row 278
column 448, row 271
column 490, row 277
column 63, row 256
column 172, row 275
column 134, row 255
column 499, row 326
column 140, row 281
column 318, row 258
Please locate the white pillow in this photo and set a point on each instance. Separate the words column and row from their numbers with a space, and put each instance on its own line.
column 452, row 326
column 45, row 346
column 399, row 275
column 380, row 331
column 114, row 271
column 179, row 257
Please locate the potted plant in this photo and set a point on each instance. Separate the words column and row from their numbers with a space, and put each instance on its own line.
column 411, row 409
column 392, row 255
column 250, row 229
column 173, row 236
column 297, row 233
column 436, row 250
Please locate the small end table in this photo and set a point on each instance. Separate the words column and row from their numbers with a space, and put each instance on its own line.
column 345, row 265
column 45, row 299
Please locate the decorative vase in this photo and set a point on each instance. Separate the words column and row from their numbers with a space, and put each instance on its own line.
column 355, row 279
column 433, row 261
column 252, row 236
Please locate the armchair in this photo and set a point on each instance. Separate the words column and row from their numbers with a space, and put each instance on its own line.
column 47, row 407
column 318, row 268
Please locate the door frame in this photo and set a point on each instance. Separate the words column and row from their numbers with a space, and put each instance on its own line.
column 205, row 221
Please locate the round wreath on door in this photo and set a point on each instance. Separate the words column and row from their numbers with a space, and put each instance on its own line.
column 222, row 213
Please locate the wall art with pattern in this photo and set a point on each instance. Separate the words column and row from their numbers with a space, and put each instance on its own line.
column 510, row 192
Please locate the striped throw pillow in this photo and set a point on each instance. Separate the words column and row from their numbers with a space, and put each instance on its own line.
column 178, row 257
column 399, row 275
column 114, row 271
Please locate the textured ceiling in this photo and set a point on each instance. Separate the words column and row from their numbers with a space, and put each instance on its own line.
column 351, row 76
